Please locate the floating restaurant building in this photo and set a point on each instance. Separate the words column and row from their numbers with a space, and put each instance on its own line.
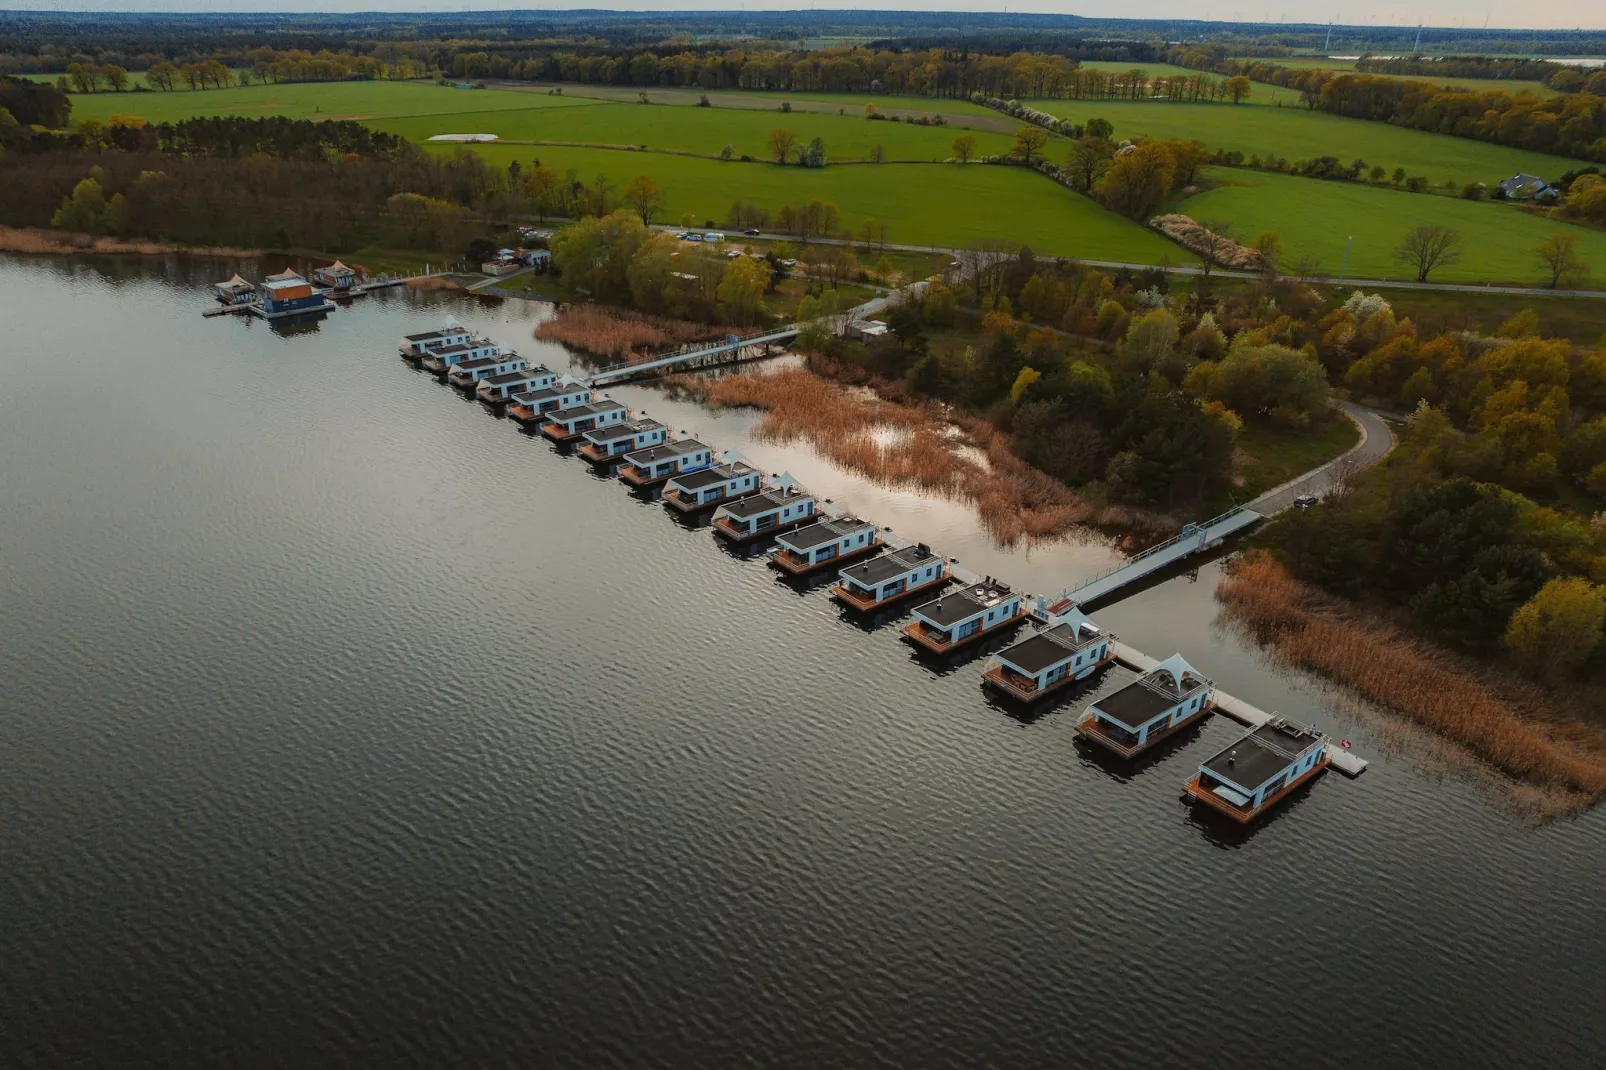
column 337, row 276
column 817, row 545
column 648, row 467
column 531, row 406
column 891, row 577
column 499, row 388
column 964, row 617
column 288, row 294
column 727, row 481
column 565, row 425
column 1050, row 659
column 605, row 443
column 1157, row 704
column 1260, row 770
column 472, row 372
column 769, row 512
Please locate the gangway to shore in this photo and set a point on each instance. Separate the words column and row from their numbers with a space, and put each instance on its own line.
column 730, row 351
column 1190, row 540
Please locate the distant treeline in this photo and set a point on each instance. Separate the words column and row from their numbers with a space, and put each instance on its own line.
column 1510, row 67
column 1571, row 124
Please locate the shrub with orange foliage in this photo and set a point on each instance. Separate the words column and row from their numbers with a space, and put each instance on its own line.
column 621, row 332
column 904, row 446
column 1513, row 726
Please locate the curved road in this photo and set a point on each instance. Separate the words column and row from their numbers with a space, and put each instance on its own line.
column 1377, row 439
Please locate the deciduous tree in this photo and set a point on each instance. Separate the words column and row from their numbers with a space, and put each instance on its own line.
column 1561, row 261
column 1427, row 247
column 964, row 147
column 1029, row 142
column 644, row 195
column 1554, row 632
column 782, row 142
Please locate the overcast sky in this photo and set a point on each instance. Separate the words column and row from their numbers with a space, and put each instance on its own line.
column 1563, row 14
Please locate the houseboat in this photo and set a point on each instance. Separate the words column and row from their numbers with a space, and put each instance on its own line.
column 732, row 478
column 814, row 546
column 566, row 425
column 235, row 292
column 1257, row 772
column 1050, row 659
column 655, row 464
column 468, row 374
column 337, row 277
column 891, row 577
column 770, row 512
column 531, row 406
column 606, row 443
column 419, row 346
column 498, row 389
column 966, row 616
column 1157, row 704
column 441, row 361
column 288, row 294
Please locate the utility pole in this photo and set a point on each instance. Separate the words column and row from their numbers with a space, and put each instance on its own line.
column 1344, row 267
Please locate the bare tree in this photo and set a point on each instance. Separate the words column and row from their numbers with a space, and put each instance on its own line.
column 1558, row 255
column 1216, row 242
column 1428, row 247
column 1307, row 267
column 982, row 264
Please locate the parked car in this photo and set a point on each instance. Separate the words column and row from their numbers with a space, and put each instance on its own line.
column 694, row 237
column 1305, row 501
column 732, row 254
column 714, row 236
column 681, row 234
column 752, row 232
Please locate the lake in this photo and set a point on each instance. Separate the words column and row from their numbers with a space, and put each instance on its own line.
column 343, row 724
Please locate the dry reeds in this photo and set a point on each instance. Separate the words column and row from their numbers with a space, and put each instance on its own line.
column 904, row 446
column 1512, row 725
column 620, row 332
column 29, row 240
column 435, row 283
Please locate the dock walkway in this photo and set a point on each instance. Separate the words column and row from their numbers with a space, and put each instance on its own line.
column 1347, row 762
column 703, row 356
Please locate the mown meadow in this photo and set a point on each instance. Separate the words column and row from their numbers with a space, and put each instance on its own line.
column 1314, row 218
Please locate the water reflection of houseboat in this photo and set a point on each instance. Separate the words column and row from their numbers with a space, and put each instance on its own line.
column 1048, row 660
column 1158, row 704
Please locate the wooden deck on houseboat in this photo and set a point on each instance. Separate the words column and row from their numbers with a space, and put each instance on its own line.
column 713, row 503
column 1019, row 687
column 856, row 600
column 1092, row 730
column 785, row 562
column 636, row 478
column 556, row 433
column 1195, row 793
column 725, row 529
column 919, row 633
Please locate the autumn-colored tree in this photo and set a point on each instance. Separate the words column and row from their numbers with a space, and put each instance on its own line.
column 1089, row 157
column 1560, row 259
column 1029, row 142
column 741, row 291
column 1237, row 88
column 1138, row 179
column 964, row 147
column 781, row 143
column 1554, row 632
column 645, row 196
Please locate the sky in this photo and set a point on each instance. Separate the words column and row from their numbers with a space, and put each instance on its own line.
column 1556, row 14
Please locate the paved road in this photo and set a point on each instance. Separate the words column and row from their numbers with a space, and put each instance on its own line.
column 1377, row 439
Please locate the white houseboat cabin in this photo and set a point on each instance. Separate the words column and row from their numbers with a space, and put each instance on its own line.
column 564, row 425
column 603, row 443
column 500, row 388
column 337, row 276
column 451, row 333
column 1260, row 769
column 813, row 546
column 965, row 616
column 236, row 291
column 531, row 406
column 775, row 509
column 473, row 372
column 891, row 577
column 1047, row 660
column 644, row 468
column 730, row 479
column 441, row 361
column 1157, row 704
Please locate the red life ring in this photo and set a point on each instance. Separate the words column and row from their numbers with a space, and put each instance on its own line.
column 1344, row 743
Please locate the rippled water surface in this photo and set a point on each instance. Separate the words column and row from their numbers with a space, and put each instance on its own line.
column 340, row 723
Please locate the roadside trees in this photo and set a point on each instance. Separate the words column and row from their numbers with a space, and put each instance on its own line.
column 1560, row 259
column 645, row 196
column 1428, row 247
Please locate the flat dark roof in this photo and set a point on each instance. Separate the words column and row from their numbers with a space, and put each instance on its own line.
column 580, row 412
column 1043, row 649
column 953, row 608
column 613, row 432
column 510, row 377
column 1263, row 753
column 484, row 362
column 823, row 531
column 654, row 454
column 879, row 570
column 720, row 473
column 763, row 503
column 420, row 337
column 1136, row 704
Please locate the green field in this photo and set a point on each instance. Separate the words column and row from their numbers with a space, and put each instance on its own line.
column 925, row 204
column 1313, row 219
column 1299, row 134
column 700, row 130
column 312, row 100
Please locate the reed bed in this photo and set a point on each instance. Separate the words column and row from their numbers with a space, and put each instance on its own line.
column 1516, row 727
column 436, row 283
column 620, row 332
column 844, row 424
column 29, row 240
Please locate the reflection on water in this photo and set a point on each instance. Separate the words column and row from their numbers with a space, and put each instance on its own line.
column 345, row 723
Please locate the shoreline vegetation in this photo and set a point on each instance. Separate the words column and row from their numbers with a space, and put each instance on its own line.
column 1521, row 730
column 915, row 447
column 622, row 333
column 66, row 243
